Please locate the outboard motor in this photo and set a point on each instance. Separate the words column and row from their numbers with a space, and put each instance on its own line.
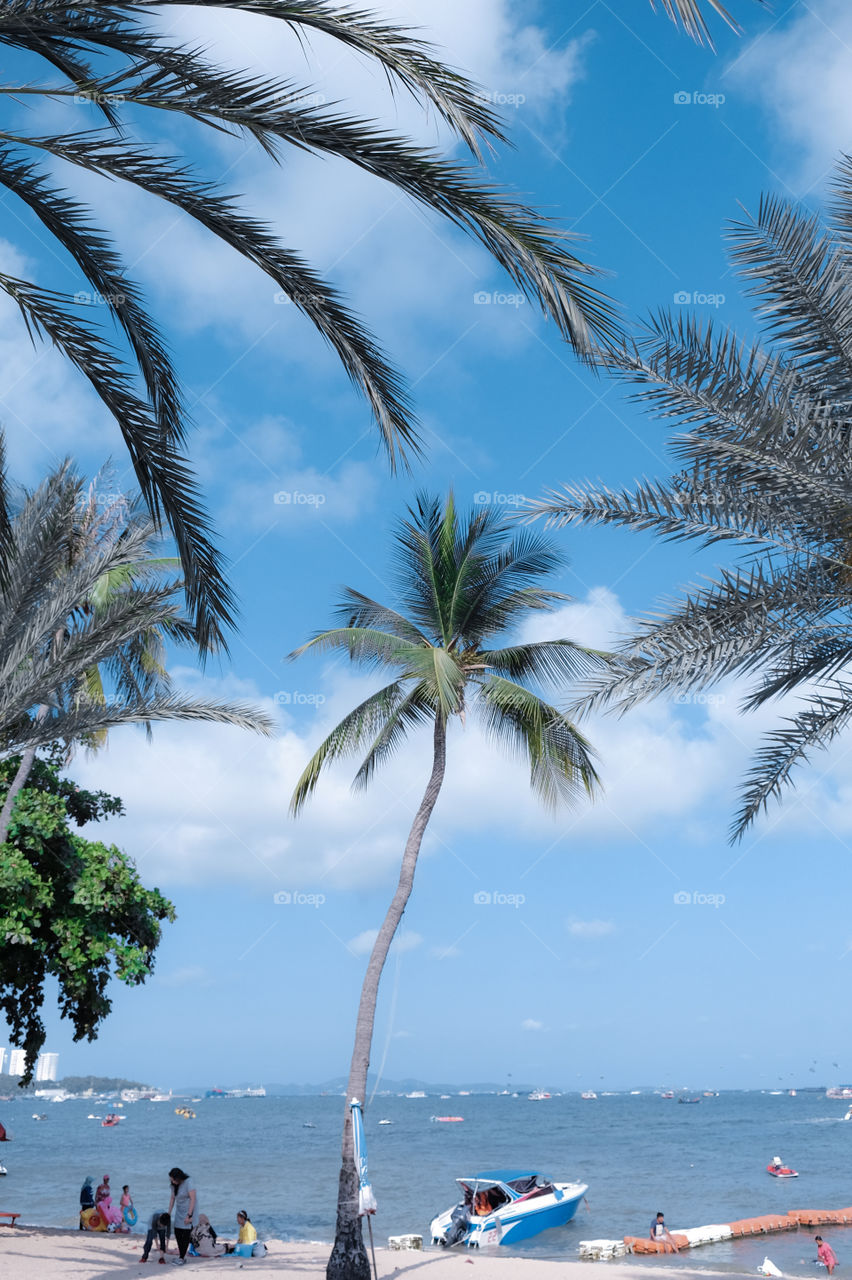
column 458, row 1228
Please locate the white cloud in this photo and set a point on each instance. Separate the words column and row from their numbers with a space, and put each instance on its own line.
column 363, row 943
column 531, row 1024
column 799, row 71
column 590, row 928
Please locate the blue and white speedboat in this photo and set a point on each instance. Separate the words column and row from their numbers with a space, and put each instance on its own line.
column 505, row 1206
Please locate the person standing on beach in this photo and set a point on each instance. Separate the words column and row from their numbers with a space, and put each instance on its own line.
column 660, row 1233
column 160, row 1225
column 826, row 1254
column 182, row 1209
column 87, row 1200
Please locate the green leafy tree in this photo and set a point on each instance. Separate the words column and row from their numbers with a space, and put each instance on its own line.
column 73, row 910
column 767, row 469
column 462, row 583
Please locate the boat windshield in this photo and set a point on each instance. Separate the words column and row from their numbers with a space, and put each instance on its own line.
column 481, row 1198
column 533, row 1184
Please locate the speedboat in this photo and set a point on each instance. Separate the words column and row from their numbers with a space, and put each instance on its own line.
column 386, row 1122
column 504, row 1206
column 669, row 1093
column 588, row 1095
column 779, row 1170
column 448, row 1119
column 3, row 1170
column 538, row 1095
column 689, row 1101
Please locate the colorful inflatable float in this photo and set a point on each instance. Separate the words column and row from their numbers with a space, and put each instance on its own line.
column 765, row 1224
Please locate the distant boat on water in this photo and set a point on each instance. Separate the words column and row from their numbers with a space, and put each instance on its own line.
column 689, row 1101
column 538, row 1095
column 415, row 1093
column 669, row 1093
column 588, row 1095
column 839, row 1091
column 386, row 1122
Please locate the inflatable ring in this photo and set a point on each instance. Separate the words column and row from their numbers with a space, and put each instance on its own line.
column 94, row 1222
column 130, row 1215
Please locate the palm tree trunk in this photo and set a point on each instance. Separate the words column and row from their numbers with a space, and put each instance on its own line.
column 349, row 1259
column 17, row 784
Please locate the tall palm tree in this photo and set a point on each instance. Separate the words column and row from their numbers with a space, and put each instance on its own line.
column 461, row 585
column 70, row 621
column 767, row 466
column 114, row 55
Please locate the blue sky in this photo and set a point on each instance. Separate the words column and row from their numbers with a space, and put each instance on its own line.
column 647, row 146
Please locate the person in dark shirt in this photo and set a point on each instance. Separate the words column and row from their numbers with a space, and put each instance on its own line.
column 660, row 1232
column 161, row 1225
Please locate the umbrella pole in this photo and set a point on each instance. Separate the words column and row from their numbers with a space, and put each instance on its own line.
column 372, row 1246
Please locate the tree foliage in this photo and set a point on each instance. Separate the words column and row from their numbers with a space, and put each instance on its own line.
column 766, row 468
column 72, row 910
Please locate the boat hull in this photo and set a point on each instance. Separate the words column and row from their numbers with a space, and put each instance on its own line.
column 518, row 1221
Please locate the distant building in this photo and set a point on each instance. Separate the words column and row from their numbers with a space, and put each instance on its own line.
column 17, row 1062
column 2, row 1060
column 46, row 1066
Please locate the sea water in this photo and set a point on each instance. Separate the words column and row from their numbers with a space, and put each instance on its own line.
column 699, row 1164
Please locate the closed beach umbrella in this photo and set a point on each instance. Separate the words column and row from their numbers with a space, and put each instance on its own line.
column 366, row 1200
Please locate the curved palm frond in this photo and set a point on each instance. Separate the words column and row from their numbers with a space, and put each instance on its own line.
column 690, row 14
column 560, row 758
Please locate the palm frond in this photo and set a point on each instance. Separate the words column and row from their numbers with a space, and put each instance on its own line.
column 352, row 734
column 690, row 15
column 816, row 726
column 560, row 758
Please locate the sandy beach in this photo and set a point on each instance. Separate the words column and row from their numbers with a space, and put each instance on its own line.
column 39, row 1253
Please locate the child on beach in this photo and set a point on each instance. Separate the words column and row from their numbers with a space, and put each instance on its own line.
column 826, row 1254
column 160, row 1226
column 128, row 1213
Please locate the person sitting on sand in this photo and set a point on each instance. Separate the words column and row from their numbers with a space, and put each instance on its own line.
column 660, row 1233
column 204, row 1239
column 826, row 1254
column 160, row 1226
column 247, row 1238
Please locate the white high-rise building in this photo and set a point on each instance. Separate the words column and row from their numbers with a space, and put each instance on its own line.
column 46, row 1066
column 17, row 1062
column 2, row 1060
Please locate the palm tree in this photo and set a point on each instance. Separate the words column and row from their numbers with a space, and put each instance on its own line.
column 766, row 464
column 137, row 668
column 113, row 56
column 76, row 609
column 461, row 584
